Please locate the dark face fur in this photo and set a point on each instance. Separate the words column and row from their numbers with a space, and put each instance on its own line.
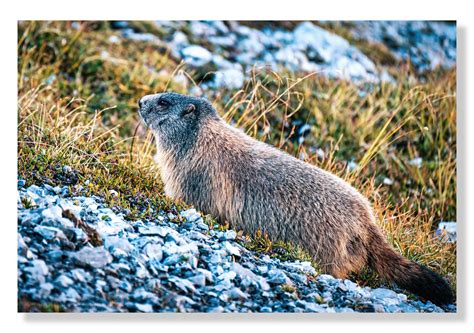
column 174, row 118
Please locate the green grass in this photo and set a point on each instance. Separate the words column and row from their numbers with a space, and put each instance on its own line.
column 77, row 107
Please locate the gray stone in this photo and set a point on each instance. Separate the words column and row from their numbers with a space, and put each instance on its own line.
column 207, row 274
column 183, row 284
column 49, row 233
column 96, row 257
column 154, row 251
column 45, row 290
column 154, row 230
column 37, row 270
column 276, row 276
column 198, row 280
column 123, row 244
column 229, row 235
column 236, row 293
column 63, row 281
column 174, row 259
column 382, row 293
column 141, row 295
column 80, row 275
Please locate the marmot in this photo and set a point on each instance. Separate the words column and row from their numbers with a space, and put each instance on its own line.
column 254, row 186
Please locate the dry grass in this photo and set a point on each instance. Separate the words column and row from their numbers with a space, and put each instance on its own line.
column 77, row 102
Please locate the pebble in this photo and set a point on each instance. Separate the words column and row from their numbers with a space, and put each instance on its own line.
column 144, row 307
column 64, row 281
column 416, row 162
column 113, row 193
column 154, row 251
column 95, row 257
column 38, row 270
column 49, row 233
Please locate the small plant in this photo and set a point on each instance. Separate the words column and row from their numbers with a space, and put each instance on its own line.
column 288, row 288
column 27, row 203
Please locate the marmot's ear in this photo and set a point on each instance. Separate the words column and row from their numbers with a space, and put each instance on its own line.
column 188, row 109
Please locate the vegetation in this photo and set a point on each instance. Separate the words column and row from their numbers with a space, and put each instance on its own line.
column 77, row 95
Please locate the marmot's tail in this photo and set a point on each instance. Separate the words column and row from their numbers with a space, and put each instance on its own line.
column 406, row 274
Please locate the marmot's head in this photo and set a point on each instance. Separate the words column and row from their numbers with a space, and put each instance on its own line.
column 175, row 118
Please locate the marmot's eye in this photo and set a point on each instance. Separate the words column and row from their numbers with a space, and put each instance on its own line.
column 163, row 102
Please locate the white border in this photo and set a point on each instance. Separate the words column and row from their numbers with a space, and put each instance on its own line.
column 244, row 10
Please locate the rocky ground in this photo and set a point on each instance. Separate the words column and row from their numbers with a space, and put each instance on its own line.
column 231, row 50
column 77, row 254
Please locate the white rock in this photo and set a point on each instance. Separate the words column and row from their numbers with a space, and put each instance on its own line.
column 447, row 231
column 155, row 230
column 247, row 273
column 148, row 308
column 387, row 181
column 118, row 243
column 231, row 249
column 383, row 293
column 417, row 161
column 230, row 78
column 154, row 251
column 351, row 166
column 236, row 293
column 307, row 35
column 114, row 39
column 179, row 39
column 196, row 55
column 190, row 215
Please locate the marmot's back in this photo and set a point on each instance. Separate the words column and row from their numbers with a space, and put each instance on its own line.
column 258, row 187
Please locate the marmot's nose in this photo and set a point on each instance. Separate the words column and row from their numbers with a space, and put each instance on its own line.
column 142, row 101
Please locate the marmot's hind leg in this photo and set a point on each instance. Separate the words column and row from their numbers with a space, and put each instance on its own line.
column 352, row 260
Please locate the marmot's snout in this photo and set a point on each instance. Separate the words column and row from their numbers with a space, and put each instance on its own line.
column 142, row 102
column 145, row 107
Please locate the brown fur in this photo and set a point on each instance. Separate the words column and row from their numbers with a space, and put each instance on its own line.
column 254, row 187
